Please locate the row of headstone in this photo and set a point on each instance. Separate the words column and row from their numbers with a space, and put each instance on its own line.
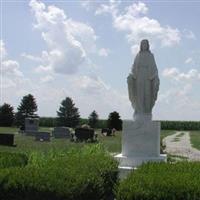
column 32, row 129
column 81, row 134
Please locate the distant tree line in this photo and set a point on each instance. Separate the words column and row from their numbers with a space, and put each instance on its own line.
column 180, row 125
column 67, row 115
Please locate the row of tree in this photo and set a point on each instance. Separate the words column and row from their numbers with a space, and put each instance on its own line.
column 68, row 114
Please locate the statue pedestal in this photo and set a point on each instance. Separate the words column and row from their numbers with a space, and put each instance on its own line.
column 140, row 144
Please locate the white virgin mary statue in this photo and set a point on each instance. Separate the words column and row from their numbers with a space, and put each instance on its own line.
column 143, row 83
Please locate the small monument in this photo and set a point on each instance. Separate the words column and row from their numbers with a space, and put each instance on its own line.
column 61, row 132
column 42, row 136
column 31, row 126
column 141, row 136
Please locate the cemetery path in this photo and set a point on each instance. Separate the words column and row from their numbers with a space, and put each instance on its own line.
column 179, row 144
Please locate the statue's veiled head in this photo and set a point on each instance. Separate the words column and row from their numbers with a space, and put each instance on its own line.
column 144, row 45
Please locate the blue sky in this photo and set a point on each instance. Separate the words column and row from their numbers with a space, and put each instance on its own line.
column 85, row 49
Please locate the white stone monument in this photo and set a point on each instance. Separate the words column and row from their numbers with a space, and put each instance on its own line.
column 141, row 136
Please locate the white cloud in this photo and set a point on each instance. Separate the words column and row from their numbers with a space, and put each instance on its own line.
column 134, row 49
column 99, row 95
column 137, row 25
column 189, row 60
column 108, row 8
column 170, row 72
column 46, row 79
column 32, row 57
column 104, row 52
column 2, row 49
column 189, row 34
column 10, row 69
column 175, row 74
column 86, row 4
column 179, row 101
column 69, row 42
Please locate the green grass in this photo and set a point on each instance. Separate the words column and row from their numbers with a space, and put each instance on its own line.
column 165, row 133
column 15, row 129
column 8, row 130
column 28, row 144
column 195, row 139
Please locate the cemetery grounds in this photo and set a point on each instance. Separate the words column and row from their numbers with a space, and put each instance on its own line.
column 27, row 144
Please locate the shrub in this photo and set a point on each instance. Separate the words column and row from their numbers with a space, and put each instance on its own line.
column 162, row 181
column 12, row 160
column 84, row 174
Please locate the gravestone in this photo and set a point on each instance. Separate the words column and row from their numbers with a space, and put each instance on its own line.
column 61, row 132
column 7, row 139
column 42, row 136
column 31, row 126
column 84, row 134
column 141, row 136
column 106, row 131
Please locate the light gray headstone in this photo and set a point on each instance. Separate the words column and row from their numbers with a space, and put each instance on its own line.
column 31, row 124
column 61, row 132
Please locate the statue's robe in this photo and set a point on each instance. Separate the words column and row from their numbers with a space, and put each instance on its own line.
column 143, row 83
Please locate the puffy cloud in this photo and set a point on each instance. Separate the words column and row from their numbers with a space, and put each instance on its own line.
column 11, row 68
column 87, row 4
column 179, row 100
column 137, row 25
column 111, row 8
column 46, row 79
column 31, row 57
column 104, row 52
column 11, row 74
column 2, row 49
column 101, row 97
column 175, row 74
column 170, row 72
column 69, row 42
column 189, row 60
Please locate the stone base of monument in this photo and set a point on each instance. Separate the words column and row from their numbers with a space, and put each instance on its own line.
column 140, row 144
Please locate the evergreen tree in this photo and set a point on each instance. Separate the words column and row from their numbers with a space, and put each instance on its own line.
column 6, row 115
column 27, row 108
column 114, row 121
column 93, row 119
column 68, row 114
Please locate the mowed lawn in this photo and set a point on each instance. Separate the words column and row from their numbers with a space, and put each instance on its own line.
column 28, row 144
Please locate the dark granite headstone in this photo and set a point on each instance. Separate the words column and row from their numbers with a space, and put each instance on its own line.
column 61, row 132
column 7, row 139
column 42, row 136
column 106, row 131
column 84, row 134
